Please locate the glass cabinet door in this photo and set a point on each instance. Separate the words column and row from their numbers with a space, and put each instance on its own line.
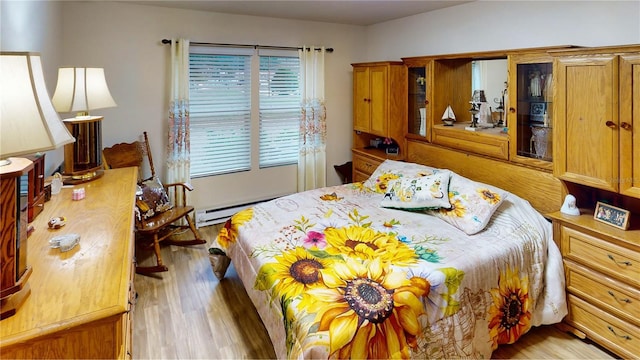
column 418, row 112
column 530, row 107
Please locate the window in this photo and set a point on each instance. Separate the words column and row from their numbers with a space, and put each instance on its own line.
column 223, row 111
column 279, row 110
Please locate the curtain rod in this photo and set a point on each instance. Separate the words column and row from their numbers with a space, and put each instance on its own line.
column 167, row 41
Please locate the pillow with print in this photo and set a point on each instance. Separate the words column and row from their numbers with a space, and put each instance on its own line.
column 419, row 193
column 390, row 170
column 472, row 204
column 151, row 199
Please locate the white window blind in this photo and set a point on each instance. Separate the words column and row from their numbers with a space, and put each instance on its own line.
column 220, row 113
column 279, row 110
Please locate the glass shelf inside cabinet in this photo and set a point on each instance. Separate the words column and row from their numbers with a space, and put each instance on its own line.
column 534, row 108
column 417, row 101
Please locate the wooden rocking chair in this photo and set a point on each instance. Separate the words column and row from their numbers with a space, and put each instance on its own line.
column 157, row 227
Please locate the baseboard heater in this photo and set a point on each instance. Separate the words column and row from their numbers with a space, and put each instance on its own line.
column 217, row 216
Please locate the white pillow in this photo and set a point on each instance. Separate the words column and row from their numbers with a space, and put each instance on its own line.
column 419, row 193
column 390, row 170
column 472, row 204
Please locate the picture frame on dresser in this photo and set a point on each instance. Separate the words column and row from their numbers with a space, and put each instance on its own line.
column 612, row 215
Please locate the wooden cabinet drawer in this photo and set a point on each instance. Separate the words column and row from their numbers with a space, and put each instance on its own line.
column 615, row 297
column 619, row 262
column 617, row 335
column 365, row 165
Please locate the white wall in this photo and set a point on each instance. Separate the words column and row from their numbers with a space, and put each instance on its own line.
column 125, row 39
column 498, row 25
column 36, row 27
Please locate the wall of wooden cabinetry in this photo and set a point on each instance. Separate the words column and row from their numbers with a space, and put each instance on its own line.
column 597, row 102
column 591, row 150
column 379, row 109
column 597, row 99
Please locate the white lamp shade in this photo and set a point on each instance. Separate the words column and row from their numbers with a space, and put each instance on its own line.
column 28, row 121
column 82, row 90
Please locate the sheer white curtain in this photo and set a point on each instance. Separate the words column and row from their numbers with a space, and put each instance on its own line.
column 178, row 159
column 312, row 159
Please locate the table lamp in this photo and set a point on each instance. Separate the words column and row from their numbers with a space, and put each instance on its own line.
column 81, row 90
column 28, row 124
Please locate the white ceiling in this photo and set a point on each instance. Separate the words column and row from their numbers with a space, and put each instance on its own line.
column 353, row 12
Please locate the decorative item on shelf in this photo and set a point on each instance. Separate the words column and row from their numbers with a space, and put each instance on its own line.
column 569, row 206
column 537, row 111
column 476, row 100
column 539, row 142
column 612, row 215
column 390, row 146
column 448, row 117
column 535, row 84
column 29, row 124
column 82, row 90
column 375, row 143
column 423, row 122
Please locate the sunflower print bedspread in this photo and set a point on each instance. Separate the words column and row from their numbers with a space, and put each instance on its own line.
column 334, row 275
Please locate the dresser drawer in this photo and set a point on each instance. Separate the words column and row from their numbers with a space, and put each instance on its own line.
column 612, row 295
column 360, row 176
column 364, row 164
column 617, row 335
column 619, row 262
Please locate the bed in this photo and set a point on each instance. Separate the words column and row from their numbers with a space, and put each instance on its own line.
column 415, row 262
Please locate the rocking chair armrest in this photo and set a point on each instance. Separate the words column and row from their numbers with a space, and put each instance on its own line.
column 185, row 185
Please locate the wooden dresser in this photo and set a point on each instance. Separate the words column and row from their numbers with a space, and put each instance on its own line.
column 81, row 300
column 602, row 268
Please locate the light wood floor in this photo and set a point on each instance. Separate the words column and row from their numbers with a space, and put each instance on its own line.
column 186, row 313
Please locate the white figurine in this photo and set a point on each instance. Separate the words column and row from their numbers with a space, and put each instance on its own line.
column 569, row 207
column 535, row 88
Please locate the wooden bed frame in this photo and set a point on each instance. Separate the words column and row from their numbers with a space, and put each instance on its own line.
column 539, row 187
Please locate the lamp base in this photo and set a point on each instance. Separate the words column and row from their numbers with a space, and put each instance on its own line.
column 83, row 178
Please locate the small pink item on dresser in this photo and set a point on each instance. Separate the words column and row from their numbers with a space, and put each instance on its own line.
column 78, row 194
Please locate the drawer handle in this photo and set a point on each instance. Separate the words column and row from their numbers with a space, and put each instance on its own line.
column 611, row 124
column 627, row 300
column 627, row 263
column 626, row 337
column 625, row 125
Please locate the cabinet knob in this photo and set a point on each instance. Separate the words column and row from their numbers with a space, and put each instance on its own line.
column 426, row 102
column 611, row 124
column 512, row 110
column 625, row 125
